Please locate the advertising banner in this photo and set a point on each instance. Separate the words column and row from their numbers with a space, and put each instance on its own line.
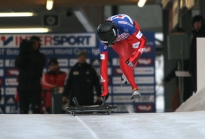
column 65, row 47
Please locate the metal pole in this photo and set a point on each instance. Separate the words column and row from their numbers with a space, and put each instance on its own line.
column 182, row 68
column 201, row 7
column 179, row 14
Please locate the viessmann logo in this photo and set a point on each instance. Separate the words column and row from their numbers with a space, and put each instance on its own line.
column 145, row 108
column 6, row 40
column 12, row 72
column 145, row 61
column 148, row 49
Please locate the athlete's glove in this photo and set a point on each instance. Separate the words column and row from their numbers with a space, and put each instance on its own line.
column 129, row 63
column 104, row 98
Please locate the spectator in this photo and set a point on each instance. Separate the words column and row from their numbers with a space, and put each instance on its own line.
column 0, row 93
column 198, row 31
column 81, row 82
column 30, row 63
column 53, row 79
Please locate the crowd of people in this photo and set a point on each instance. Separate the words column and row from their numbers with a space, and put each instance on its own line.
column 35, row 88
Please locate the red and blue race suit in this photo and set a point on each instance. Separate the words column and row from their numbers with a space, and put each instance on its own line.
column 129, row 46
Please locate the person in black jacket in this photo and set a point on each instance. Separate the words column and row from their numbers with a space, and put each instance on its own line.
column 30, row 63
column 0, row 94
column 198, row 31
column 81, row 82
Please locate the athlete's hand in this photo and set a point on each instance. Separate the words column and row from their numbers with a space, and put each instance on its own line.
column 98, row 100
column 104, row 98
column 64, row 100
column 129, row 63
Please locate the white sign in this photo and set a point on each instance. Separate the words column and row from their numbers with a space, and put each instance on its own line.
column 127, row 98
column 10, row 91
column 1, row 63
column 74, row 61
column 11, row 109
column 138, row 80
column 115, row 62
column 144, row 80
column 128, row 89
column 10, row 63
column 63, row 62
column 1, row 72
column 200, row 63
column 11, row 81
column 143, row 70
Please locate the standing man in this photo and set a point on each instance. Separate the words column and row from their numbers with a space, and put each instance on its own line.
column 123, row 34
column 0, row 94
column 82, row 80
column 53, row 79
column 30, row 63
column 198, row 31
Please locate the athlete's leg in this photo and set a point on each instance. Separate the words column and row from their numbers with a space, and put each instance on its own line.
column 125, row 51
column 128, row 72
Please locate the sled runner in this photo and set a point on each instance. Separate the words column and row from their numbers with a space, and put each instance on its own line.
column 92, row 108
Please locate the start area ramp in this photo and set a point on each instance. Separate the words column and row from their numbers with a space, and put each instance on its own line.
column 177, row 125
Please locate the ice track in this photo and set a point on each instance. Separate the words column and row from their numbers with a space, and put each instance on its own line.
column 180, row 125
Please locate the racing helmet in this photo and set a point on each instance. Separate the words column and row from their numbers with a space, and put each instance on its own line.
column 107, row 32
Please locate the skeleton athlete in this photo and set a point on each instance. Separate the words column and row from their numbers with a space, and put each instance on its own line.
column 123, row 34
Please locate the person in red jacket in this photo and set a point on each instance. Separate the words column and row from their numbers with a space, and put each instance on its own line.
column 53, row 79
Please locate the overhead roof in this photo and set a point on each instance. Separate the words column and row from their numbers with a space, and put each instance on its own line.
column 24, row 4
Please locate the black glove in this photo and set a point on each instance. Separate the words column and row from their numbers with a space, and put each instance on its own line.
column 104, row 99
column 98, row 103
column 129, row 63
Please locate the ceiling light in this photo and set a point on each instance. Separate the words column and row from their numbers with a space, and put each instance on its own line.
column 16, row 14
column 49, row 4
column 141, row 3
column 24, row 30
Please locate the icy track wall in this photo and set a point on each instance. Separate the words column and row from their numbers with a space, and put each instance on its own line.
column 197, row 101
column 194, row 103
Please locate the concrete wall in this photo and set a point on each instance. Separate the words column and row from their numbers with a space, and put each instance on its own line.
column 149, row 17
